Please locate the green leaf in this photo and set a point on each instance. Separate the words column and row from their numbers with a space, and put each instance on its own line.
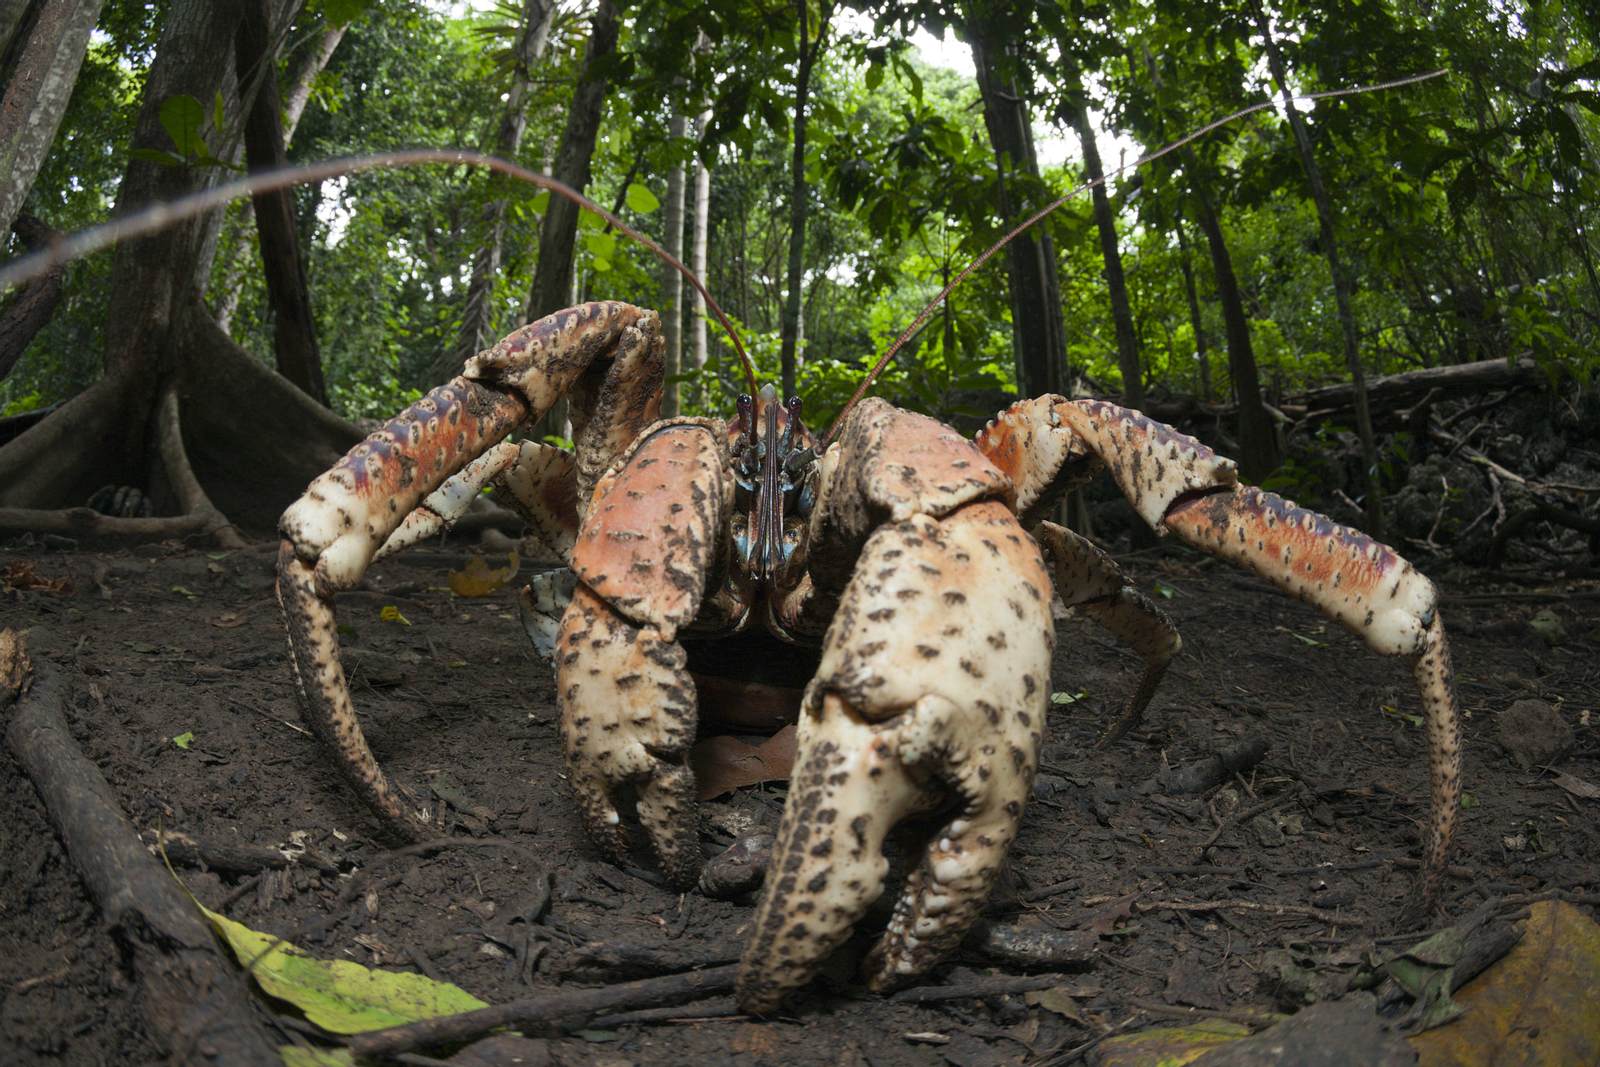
column 1164, row 591
column 1066, row 698
column 641, row 199
column 343, row 12
column 390, row 613
column 184, row 740
column 340, row 996
column 601, row 246
column 181, row 117
column 874, row 76
column 295, row 1056
column 540, row 202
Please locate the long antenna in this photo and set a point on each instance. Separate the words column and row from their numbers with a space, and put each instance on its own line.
column 157, row 216
column 989, row 253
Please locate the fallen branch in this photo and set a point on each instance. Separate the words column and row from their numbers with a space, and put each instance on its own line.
column 989, row 986
column 1215, row 769
column 233, row 857
column 1321, row 915
column 545, row 1012
column 198, row 1005
column 88, row 524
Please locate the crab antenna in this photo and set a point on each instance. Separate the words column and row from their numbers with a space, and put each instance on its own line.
column 156, row 216
column 1016, row 231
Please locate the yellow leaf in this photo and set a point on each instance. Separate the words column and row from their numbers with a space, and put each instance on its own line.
column 1168, row 1046
column 341, row 996
column 295, row 1056
column 1534, row 1007
column 390, row 613
column 477, row 578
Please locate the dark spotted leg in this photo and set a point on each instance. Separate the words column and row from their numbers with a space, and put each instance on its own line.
column 1179, row 485
column 932, row 687
column 603, row 350
column 1089, row 580
column 655, row 531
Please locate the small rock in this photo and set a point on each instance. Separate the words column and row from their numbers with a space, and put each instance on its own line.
column 1046, row 786
column 1267, row 831
column 1534, row 734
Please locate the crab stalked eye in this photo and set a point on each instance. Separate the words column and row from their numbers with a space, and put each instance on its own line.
column 746, row 402
column 792, row 405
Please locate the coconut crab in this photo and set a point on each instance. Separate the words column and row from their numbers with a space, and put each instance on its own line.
column 917, row 560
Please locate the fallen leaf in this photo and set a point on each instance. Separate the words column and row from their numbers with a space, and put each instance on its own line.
column 722, row 764
column 296, row 1056
column 1535, row 1007
column 142, row 647
column 341, row 996
column 185, row 739
column 1576, row 786
column 477, row 578
column 1066, row 698
column 20, row 576
column 228, row 620
column 1057, row 999
column 390, row 613
column 1105, row 921
column 1167, row 1046
column 181, row 591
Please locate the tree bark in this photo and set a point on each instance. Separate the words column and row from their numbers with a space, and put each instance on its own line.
column 1037, row 331
column 25, row 314
column 294, row 333
column 1258, row 443
column 795, row 274
column 552, row 279
column 305, row 75
column 1343, row 284
column 477, row 316
column 699, row 348
column 671, row 280
column 1116, row 282
column 37, row 93
column 1196, row 322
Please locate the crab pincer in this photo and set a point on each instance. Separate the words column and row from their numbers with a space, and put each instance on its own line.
column 930, row 697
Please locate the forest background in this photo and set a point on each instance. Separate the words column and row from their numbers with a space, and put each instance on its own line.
column 825, row 169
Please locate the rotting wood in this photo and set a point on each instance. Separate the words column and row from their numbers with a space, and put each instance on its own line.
column 197, row 1005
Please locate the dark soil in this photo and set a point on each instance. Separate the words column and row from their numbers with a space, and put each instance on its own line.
column 163, row 641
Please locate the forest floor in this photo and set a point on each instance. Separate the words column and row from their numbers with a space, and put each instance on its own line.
column 161, row 642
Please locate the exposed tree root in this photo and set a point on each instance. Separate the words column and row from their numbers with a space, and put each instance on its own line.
column 89, row 525
column 195, row 502
column 196, row 1003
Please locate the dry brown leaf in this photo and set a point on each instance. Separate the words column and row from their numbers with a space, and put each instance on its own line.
column 228, row 620
column 1535, row 1007
column 477, row 578
column 722, row 764
column 20, row 576
column 1576, row 786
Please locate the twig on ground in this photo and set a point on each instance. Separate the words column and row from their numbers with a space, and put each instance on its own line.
column 544, row 1012
column 1240, row 817
column 987, row 986
column 1319, row 914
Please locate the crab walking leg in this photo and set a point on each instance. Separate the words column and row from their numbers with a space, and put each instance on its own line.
column 1368, row 588
column 1178, row 484
column 332, row 532
column 932, row 684
column 539, row 483
column 1089, row 580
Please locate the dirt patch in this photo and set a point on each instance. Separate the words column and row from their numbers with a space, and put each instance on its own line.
column 162, row 642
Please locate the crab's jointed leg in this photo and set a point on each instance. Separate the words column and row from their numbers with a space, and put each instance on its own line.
column 1178, row 485
column 931, row 691
column 655, row 533
column 1089, row 580
column 602, row 351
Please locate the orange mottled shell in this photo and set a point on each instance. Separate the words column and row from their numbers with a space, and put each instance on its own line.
column 654, row 524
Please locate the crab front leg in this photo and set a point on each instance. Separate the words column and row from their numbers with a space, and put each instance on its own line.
column 608, row 355
column 656, row 533
column 1178, row 484
column 930, row 693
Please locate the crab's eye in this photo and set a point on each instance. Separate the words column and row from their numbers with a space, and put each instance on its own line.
column 793, row 405
column 746, row 402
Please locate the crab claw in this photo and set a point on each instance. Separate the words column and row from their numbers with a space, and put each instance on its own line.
column 930, row 694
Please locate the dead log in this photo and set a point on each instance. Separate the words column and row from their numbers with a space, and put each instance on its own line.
column 197, row 1004
column 1393, row 389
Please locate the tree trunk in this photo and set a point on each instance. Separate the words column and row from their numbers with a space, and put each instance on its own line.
column 1343, row 284
column 1258, row 443
column 37, row 92
column 795, row 273
column 26, row 313
column 671, row 280
column 166, row 358
column 477, row 317
column 305, row 74
column 1037, row 332
column 699, row 348
column 294, row 328
column 1196, row 323
column 552, row 279
column 1116, row 283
